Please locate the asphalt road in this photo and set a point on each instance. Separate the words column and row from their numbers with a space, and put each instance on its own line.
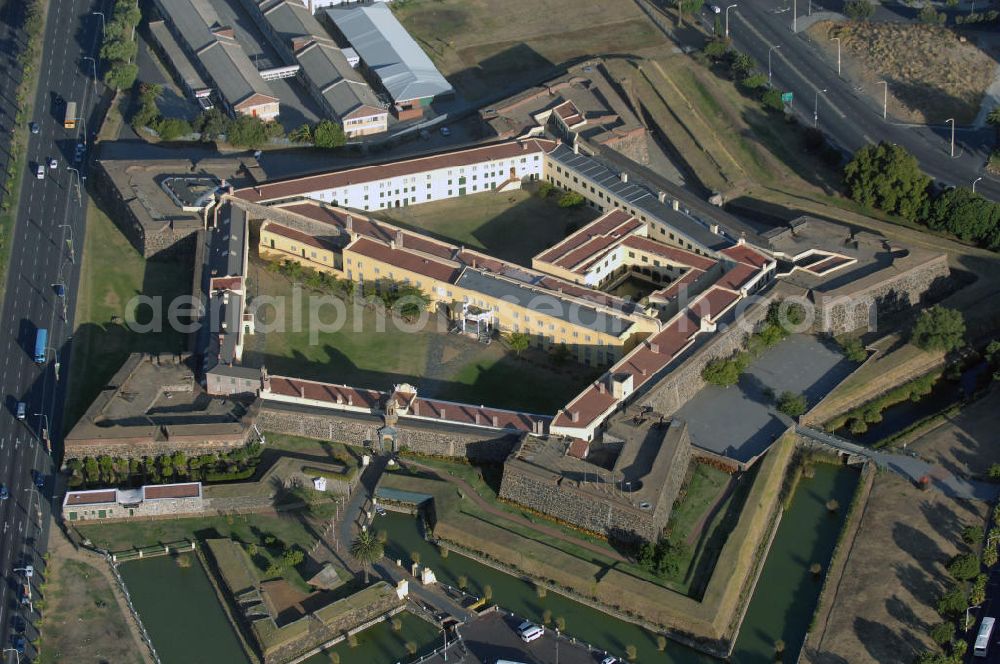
column 49, row 232
column 849, row 117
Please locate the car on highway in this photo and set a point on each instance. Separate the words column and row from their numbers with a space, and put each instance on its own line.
column 53, row 164
column 445, row 131
column 18, row 625
column 38, row 478
column 18, row 643
column 610, row 660
column 716, row 9
column 33, row 126
column 40, row 172
column 22, row 410
column 24, row 591
column 59, row 290
column 4, row 493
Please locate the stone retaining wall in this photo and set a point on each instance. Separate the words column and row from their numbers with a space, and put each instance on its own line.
column 466, row 442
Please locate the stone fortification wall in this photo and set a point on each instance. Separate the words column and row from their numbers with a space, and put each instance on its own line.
column 851, row 311
column 592, row 508
column 138, row 447
column 467, row 442
column 679, row 385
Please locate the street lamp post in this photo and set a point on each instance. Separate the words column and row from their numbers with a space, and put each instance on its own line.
column 727, row 19
column 952, row 121
column 885, row 98
column 837, row 39
column 974, row 184
column 79, row 181
column 101, row 14
column 773, row 48
column 967, row 609
column 44, row 433
column 816, row 107
column 795, row 16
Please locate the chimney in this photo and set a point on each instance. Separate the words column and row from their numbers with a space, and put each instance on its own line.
column 524, row 146
column 443, row 413
column 478, row 417
column 496, row 422
column 742, row 240
column 601, row 387
column 576, row 147
column 676, row 205
column 392, row 243
column 661, row 196
column 574, row 416
column 349, row 224
column 624, row 177
column 416, row 407
column 350, row 400
column 714, row 228
column 654, row 347
column 399, row 239
column 340, row 398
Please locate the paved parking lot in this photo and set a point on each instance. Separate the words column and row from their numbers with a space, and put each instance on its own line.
column 741, row 421
column 492, row 637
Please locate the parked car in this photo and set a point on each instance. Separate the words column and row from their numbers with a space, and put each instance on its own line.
column 38, row 478
column 716, row 9
column 529, row 631
column 22, row 410
column 379, row 510
column 609, row 660
column 59, row 289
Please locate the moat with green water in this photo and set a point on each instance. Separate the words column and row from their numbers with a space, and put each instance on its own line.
column 186, row 622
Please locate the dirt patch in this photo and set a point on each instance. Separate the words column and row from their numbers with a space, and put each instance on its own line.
column 934, row 73
column 895, row 573
column 83, row 621
column 966, row 443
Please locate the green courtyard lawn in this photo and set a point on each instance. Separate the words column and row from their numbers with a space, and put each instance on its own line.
column 113, row 273
column 512, row 225
column 440, row 365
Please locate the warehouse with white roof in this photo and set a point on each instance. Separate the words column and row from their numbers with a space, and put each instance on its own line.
column 392, row 58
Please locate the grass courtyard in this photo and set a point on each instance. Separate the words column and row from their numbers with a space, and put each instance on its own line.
column 362, row 354
column 485, row 48
column 512, row 225
column 112, row 274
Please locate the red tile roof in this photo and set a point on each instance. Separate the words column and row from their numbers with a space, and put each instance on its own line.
column 339, row 394
column 302, row 186
column 668, row 252
column 298, row 236
column 714, row 302
column 404, row 259
column 611, row 226
column 459, row 413
column 226, row 283
column 742, row 253
column 578, row 448
column 91, row 497
column 187, row 490
column 674, row 289
column 737, row 277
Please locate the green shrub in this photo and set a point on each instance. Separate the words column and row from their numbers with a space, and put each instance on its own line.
column 792, row 404
column 943, row 632
column 964, row 566
column 571, row 199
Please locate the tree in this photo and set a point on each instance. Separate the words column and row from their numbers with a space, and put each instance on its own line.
column 547, row 616
column 792, row 404
column 993, row 119
column 930, row 16
column 661, row 642
column 121, row 76
column 964, row 566
column 943, row 632
column 939, row 328
column 952, row 602
column 972, row 535
column 367, row 550
column 518, row 342
column 397, row 624
column 571, row 199
column 301, row 134
column 463, row 582
column 250, row 132
column 742, row 65
column 779, row 647
column 854, row 350
column 815, row 569
column 685, row 7
column 170, row 129
column 859, row 10
column 832, row 505
column 964, row 213
column 722, row 372
column 328, row 134
column 887, row 177
column 560, row 623
column 716, row 48
column 211, row 124
column 119, row 50
column 631, row 652
column 771, row 99
column 411, row 647
column 754, row 81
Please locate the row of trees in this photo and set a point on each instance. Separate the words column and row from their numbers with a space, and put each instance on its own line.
column 105, row 470
column 148, row 115
column 243, row 131
column 743, row 70
column 119, row 47
column 886, row 177
column 968, row 589
column 323, row 134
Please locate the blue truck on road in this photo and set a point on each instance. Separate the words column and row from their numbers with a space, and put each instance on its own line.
column 41, row 344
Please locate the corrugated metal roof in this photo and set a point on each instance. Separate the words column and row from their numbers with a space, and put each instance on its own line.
column 343, row 88
column 390, row 52
column 637, row 197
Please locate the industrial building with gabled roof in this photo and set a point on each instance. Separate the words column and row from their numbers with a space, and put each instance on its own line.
column 214, row 52
column 389, row 54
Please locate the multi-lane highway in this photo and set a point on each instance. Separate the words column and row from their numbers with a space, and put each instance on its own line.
column 850, row 117
column 46, row 249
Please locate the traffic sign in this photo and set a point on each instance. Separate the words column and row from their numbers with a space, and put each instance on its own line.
column 786, row 97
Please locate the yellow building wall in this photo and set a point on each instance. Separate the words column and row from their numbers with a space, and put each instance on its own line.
column 274, row 246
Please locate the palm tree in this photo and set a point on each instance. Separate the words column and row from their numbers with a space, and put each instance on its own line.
column 367, row 550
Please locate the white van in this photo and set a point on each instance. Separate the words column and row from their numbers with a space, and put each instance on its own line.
column 40, row 172
column 529, row 631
